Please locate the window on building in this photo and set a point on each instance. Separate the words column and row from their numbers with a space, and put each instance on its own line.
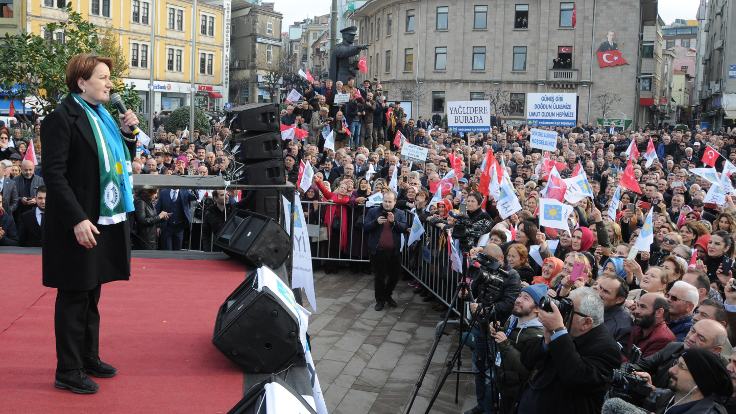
column 171, row 21
column 410, row 21
column 388, row 61
column 202, row 63
column 477, row 96
column 59, row 4
column 144, row 56
column 48, row 35
column 210, row 63
column 134, row 55
column 378, row 62
column 136, row 11
column 179, row 56
column 100, row 8
column 389, row 24
column 203, row 25
column 564, row 58
column 684, row 68
column 269, row 28
column 170, row 59
column 378, row 28
column 685, row 43
column 145, row 6
column 269, row 54
column 442, row 18
column 370, row 33
column 566, row 13
column 645, row 83
column 521, row 16
column 408, row 59
column 480, row 17
column 440, row 58
column 517, row 104
column 180, row 20
column 479, row 58
column 669, row 44
column 519, row 63
column 438, row 101
column 647, row 50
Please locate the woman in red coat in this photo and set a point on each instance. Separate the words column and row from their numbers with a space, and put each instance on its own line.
column 336, row 220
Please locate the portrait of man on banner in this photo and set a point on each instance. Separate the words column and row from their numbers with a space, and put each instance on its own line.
column 608, row 53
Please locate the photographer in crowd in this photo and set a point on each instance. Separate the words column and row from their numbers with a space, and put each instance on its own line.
column 574, row 361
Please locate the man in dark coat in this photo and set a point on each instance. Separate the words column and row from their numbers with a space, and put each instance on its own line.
column 8, row 190
column 574, row 365
column 178, row 203
column 72, row 235
column 384, row 226
column 214, row 219
column 31, row 228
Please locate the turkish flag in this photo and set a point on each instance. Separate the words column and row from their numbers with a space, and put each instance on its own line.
column 300, row 134
column 628, row 179
column 30, row 154
column 710, row 156
column 556, row 187
column 399, row 139
column 457, row 164
column 309, row 76
column 485, row 176
column 611, row 58
column 362, row 65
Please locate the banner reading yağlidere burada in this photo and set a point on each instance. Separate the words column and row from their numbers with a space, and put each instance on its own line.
column 469, row 116
column 551, row 109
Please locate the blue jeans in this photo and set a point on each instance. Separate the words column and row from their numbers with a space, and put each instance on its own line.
column 355, row 133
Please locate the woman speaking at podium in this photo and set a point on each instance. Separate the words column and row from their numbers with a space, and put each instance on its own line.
column 86, row 240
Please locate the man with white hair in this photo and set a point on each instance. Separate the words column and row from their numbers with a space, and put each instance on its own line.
column 683, row 298
column 574, row 361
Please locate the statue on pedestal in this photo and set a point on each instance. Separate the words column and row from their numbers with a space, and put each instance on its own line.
column 343, row 63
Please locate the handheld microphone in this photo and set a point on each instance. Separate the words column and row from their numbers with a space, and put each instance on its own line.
column 117, row 101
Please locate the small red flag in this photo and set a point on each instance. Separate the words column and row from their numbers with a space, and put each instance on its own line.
column 30, row 154
column 710, row 156
column 300, row 134
column 309, row 76
column 345, row 128
column 362, row 65
column 399, row 139
column 611, row 58
column 633, row 150
column 628, row 179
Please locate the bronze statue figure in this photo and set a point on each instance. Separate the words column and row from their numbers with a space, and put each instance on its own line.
column 343, row 65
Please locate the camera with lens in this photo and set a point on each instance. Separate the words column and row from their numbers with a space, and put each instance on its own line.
column 565, row 306
column 634, row 389
column 463, row 230
column 489, row 277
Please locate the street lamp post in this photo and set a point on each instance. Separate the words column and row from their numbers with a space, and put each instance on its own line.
column 152, row 63
column 193, row 90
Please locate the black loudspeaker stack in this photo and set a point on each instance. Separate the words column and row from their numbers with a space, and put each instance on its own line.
column 254, row 239
column 254, row 330
column 256, row 131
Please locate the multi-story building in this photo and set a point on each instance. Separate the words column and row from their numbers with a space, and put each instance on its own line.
column 309, row 44
column 682, row 33
column 717, row 89
column 256, row 51
column 170, row 57
column 11, row 22
column 431, row 51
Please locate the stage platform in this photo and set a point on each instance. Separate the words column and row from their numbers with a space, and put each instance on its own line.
column 156, row 329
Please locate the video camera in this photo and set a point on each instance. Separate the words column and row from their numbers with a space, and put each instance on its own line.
column 489, row 277
column 463, row 229
column 634, row 389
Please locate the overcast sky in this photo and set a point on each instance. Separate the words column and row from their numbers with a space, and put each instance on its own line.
column 296, row 10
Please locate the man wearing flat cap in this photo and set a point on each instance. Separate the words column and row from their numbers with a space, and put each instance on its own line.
column 700, row 382
column 342, row 61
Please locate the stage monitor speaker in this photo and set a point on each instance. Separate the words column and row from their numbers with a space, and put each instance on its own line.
column 269, row 172
column 261, row 146
column 256, row 331
column 272, row 396
column 254, row 238
column 258, row 118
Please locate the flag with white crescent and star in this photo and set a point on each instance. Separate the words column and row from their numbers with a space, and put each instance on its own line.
column 611, row 58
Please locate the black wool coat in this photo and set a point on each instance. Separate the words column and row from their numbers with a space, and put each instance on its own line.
column 72, row 176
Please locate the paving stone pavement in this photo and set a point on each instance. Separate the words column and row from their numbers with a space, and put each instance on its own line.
column 368, row 361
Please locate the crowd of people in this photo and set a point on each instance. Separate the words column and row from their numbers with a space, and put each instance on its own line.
column 666, row 313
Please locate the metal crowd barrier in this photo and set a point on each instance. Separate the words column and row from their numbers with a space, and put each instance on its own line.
column 325, row 241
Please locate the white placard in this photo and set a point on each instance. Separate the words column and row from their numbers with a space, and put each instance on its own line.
column 544, row 140
column 414, row 152
column 294, row 96
column 469, row 116
column 551, row 109
column 341, row 98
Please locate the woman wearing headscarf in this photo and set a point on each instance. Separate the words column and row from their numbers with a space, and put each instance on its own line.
column 551, row 267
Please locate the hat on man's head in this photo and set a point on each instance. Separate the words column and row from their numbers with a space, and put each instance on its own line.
column 536, row 291
column 709, row 372
column 15, row 156
column 350, row 30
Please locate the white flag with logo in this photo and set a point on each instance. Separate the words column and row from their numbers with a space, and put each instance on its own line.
column 307, row 177
column 330, row 141
column 301, row 265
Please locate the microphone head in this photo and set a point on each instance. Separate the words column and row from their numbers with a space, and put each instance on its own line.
column 117, row 101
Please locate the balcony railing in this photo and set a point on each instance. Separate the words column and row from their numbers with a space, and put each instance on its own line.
column 562, row 75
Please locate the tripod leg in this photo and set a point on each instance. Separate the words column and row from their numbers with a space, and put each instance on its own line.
column 436, row 342
column 451, row 363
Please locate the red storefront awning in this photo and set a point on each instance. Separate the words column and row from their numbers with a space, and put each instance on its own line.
column 214, row 95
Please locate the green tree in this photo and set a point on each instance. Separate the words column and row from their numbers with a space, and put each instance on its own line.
column 38, row 65
column 179, row 119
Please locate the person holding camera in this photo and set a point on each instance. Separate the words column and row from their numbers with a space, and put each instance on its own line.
column 574, row 361
column 384, row 226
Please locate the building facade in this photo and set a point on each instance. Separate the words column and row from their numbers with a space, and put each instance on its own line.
column 433, row 51
column 309, row 44
column 170, row 57
column 256, row 51
column 717, row 85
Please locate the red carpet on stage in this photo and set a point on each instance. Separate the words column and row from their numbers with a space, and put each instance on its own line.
column 156, row 329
